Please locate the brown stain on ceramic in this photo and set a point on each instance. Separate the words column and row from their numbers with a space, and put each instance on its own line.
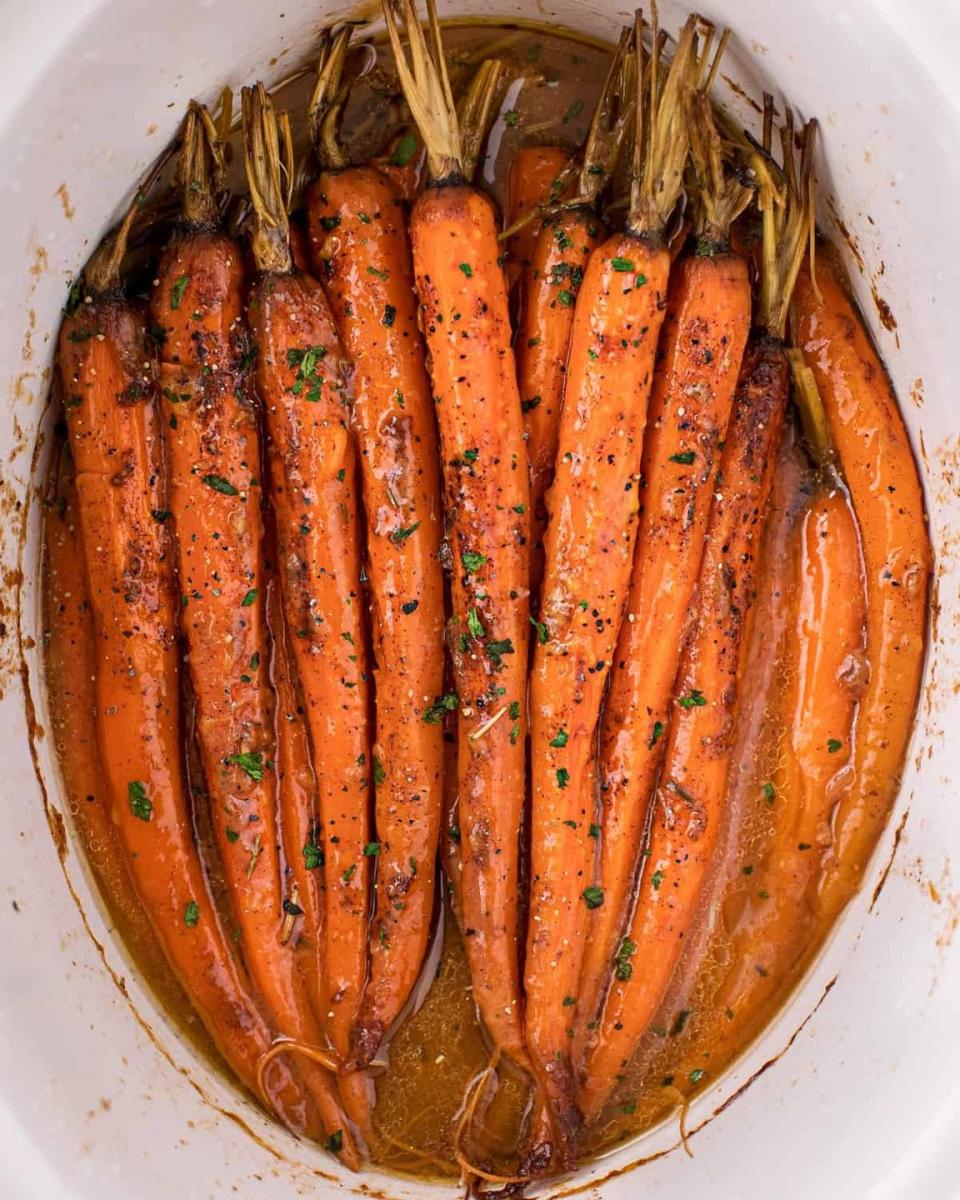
column 848, row 239
column 742, row 93
column 884, row 311
column 888, row 866
column 41, row 262
column 68, row 210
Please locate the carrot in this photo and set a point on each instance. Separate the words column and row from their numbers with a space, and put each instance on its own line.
column 536, row 178
column 465, row 321
column 301, row 379
column 299, row 820
column 109, row 374
column 593, row 506
column 698, row 363
column 213, row 450
column 826, row 663
column 688, row 811
column 557, row 259
column 361, row 252
column 71, row 661
column 878, row 464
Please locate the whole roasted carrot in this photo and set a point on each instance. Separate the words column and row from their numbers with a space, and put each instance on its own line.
column 825, row 660
column 567, row 237
column 213, row 450
column 878, row 464
column 687, row 812
column 361, row 253
column 109, row 374
column 70, row 660
column 466, row 324
column 536, row 177
column 302, row 381
column 299, row 818
column 698, row 364
column 593, row 505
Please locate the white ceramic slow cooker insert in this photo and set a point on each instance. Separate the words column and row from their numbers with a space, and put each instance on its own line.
column 99, row 1098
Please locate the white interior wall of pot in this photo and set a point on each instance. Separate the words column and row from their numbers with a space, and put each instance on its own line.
column 866, row 1101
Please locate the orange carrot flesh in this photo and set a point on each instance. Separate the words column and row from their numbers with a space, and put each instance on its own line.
column 466, row 325
column 362, row 253
column 559, row 258
column 701, row 348
column 301, row 373
column 593, row 506
column 109, row 379
column 688, row 810
column 532, row 181
column 826, row 666
column 881, row 473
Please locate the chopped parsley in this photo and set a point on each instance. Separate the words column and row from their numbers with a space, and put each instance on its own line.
column 140, row 803
column 403, row 151
column 696, row 699
column 472, row 561
column 543, row 634
column 176, row 292
column 495, row 649
column 191, row 914
column 399, row 536
column 433, row 715
column 593, row 896
column 623, row 967
column 251, row 763
column 221, row 485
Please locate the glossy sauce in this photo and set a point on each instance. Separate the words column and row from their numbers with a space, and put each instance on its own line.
column 730, row 981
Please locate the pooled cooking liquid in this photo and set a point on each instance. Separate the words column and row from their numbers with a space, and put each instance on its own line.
column 733, row 976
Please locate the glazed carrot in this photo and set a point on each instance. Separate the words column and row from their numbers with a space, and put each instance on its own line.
column 299, row 819
column 301, row 378
column 536, row 177
column 551, row 280
column 593, row 506
column 109, row 372
column 213, row 451
column 71, row 660
column 466, row 325
column 361, row 253
column 698, row 363
column 688, row 811
column 877, row 461
column 826, row 663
